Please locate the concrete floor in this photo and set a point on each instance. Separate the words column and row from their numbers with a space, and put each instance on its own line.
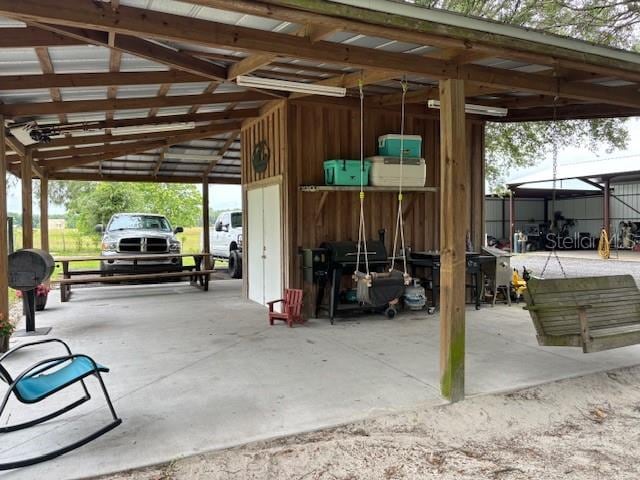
column 194, row 371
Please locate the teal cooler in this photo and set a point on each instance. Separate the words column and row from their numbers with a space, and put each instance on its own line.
column 389, row 146
column 346, row 172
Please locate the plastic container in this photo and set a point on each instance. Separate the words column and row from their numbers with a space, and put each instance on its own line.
column 385, row 172
column 389, row 146
column 346, row 172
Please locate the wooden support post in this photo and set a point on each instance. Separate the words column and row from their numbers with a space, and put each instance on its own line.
column 44, row 213
column 26, row 173
column 453, row 226
column 4, row 243
column 512, row 221
column 606, row 214
column 206, row 232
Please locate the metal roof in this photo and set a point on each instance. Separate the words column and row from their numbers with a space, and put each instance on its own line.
column 181, row 161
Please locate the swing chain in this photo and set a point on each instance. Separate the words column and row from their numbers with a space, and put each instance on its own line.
column 555, row 133
column 399, row 219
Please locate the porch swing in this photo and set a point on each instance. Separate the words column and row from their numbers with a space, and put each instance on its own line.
column 378, row 289
column 595, row 313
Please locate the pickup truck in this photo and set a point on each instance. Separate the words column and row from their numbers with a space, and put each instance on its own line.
column 139, row 233
column 226, row 241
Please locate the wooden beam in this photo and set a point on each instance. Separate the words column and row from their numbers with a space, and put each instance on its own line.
column 92, row 176
column 78, row 106
column 31, row 37
column 424, row 32
column 568, row 112
column 44, row 213
column 106, row 142
column 352, row 80
column 132, row 122
column 209, row 89
column 206, row 228
column 140, row 48
column 47, row 67
column 249, row 64
column 131, row 149
column 27, row 200
column 14, row 144
column 220, row 153
column 158, row 164
column 453, row 228
column 4, row 239
column 66, row 80
column 162, row 26
column 257, row 61
column 163, row 90
column 115, row 58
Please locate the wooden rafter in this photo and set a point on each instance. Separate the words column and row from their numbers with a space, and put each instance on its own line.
column 259, row 60
column 378, row 24
column 131, row 149
column 30, row 82
column 162, row 92
column 107, row 141
column 117, row 177
column 16, row 110
column 209, row 89
column 134, row 122
column 47, row 67
column 141, row 48
column 220, row 153
column 32, row 37
column 158, row 164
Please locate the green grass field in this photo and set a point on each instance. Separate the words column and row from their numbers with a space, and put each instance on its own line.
column 70, row 242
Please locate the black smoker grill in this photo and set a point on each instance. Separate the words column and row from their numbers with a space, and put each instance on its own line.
column 340, row 259
column 28, row 268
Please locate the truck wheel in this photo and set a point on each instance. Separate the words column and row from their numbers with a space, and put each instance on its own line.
column 235, row 264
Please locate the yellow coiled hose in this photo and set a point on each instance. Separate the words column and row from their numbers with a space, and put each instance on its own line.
column 603, row 245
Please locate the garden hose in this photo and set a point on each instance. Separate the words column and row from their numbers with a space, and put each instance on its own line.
column 603, row 245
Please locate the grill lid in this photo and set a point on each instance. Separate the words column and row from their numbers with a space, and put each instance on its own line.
column 28, row 268
column 347, row 252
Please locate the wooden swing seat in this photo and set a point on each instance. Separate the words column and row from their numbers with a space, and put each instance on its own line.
column 595, row 313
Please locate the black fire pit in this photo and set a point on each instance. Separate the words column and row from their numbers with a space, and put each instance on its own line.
column 28, row 268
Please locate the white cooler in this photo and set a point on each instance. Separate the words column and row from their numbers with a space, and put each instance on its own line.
column 385, row 172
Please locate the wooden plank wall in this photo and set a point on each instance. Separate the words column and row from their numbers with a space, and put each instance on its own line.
column 324, row 131
column 270, row 126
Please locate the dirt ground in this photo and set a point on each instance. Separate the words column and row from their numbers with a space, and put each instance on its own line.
column 582, row 428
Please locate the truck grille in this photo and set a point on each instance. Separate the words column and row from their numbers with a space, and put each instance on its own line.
column 144, row 245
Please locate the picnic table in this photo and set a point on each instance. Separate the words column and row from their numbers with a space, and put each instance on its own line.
column 198, row 276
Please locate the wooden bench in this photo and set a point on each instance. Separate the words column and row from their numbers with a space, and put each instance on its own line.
column 194, row 276
column 595, row 313
column 197, row 275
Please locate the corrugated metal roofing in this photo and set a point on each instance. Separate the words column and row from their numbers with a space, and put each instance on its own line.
column 93, row 59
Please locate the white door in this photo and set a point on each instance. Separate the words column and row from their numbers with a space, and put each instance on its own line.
column 272, row 243
column 264, row 244
column 255, row 268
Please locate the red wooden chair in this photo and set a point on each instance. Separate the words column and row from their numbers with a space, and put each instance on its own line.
column 291, row 306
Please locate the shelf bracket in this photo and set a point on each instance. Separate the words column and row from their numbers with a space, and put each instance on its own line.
column 323, row 201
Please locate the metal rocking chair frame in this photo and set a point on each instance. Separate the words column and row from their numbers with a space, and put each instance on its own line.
column 37, row 369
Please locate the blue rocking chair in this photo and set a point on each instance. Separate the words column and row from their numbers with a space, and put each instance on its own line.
column 42, row 380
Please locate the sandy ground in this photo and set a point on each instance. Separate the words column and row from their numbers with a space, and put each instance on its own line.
column 582, row 428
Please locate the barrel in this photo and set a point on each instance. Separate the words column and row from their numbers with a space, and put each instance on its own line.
column 29, row 267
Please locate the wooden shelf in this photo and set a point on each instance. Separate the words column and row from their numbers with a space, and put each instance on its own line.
column 338, row 188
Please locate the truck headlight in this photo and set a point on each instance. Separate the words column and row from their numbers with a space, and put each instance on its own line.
column 174, row 246
column 109, row 245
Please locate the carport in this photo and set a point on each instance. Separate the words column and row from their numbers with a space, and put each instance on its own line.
column 85, row 69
